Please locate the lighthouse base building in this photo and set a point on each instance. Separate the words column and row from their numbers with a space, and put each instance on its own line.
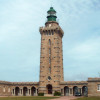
column 51, row 69
column 91, row 87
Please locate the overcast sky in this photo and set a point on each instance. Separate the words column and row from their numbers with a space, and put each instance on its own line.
column 20, row 38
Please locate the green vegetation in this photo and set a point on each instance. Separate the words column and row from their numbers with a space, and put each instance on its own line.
column 26, row 98
column 89, row 98
column 40, row 94
column 57, row 93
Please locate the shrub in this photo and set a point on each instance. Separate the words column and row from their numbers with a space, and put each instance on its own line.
column 40, row 94
column 57, row 93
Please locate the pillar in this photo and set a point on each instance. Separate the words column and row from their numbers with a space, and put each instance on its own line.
column 53, row 91
column 81, row 90
column 36, row 92
column 30, row 91
column 21, row 91
column 69, row 92
column 14, row 92
column 28, row 94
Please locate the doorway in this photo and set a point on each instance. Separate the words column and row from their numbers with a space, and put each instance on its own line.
column 49, row 89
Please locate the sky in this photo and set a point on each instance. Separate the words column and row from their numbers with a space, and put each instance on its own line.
column 20, row 39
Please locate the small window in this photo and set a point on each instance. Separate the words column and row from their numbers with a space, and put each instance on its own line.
column 49, row 60
column 49, row 51
column 49, row 42
column 52, row 32
column 49, row 78
column 44, row 32
column 98, row 87
column 8, row 89
column 4, row 89
column 49, row 69
column 49, row 33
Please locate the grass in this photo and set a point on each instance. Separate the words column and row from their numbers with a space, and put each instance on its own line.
column 26, row 98
column 89, row 98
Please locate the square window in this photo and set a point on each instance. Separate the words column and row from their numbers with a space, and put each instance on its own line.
column 8, row 89
column 4, row 89
column 98, row 87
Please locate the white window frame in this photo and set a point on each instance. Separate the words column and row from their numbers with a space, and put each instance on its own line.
column 4, row 90
column 98, row 87
column 8, row 89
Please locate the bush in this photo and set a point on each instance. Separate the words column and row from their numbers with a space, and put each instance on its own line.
column 57, row 93
column 40, row 94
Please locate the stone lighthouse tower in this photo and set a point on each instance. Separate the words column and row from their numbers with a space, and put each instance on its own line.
column 51, row 58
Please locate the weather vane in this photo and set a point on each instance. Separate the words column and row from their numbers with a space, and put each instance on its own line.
column 51, row 3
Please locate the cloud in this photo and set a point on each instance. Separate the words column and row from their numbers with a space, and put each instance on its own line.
column 83, row 58
column 88, row 48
